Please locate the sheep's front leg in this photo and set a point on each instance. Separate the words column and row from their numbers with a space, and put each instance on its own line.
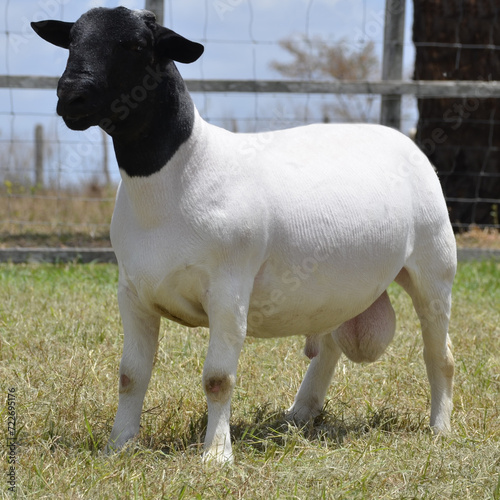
column 228, row 320
column 140, row 329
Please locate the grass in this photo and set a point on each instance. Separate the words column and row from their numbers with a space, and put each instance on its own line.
column 80, row 217
column 51, row 217
column 60, row 345
column 476, row 237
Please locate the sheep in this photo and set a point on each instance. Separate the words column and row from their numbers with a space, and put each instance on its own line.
column 295, row 232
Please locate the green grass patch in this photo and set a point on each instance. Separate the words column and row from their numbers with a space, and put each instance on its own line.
column 60, row 346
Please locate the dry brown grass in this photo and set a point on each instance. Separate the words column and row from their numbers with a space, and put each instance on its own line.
column 475, row 237
column 80, row 217
column 54, row 218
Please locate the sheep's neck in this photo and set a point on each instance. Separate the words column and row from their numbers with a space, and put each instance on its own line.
column 156, row 129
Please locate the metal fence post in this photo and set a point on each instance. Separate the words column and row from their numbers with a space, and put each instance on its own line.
column 392, row 62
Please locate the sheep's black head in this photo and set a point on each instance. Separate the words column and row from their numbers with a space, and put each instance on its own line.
column 117, row 60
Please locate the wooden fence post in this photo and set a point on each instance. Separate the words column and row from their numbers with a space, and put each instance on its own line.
column 392, row 62
column 105, row 157
column 156, row 6
column 39, row 156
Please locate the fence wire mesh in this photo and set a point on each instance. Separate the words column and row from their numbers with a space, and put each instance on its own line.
column 57, row 186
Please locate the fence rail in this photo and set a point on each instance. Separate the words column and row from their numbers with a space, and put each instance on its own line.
column 418, row 88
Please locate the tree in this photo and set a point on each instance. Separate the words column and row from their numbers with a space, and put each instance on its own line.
column 459, row 41
column 318, row 59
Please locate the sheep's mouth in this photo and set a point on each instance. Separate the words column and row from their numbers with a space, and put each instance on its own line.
column 78, row 116
column 81, row 122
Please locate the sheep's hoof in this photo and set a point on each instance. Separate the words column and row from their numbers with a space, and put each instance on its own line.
column 440, row 431
column 215, row 456
column 113, row 447
column 300, row 415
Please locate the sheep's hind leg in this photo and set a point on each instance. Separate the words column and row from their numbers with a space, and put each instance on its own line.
column 432, row 301
column 312, row 392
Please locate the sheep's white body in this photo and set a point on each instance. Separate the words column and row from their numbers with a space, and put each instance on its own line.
column 294, row 232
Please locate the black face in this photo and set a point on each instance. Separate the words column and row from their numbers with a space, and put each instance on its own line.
column 117, row 60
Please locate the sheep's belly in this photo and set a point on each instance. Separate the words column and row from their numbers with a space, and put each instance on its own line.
column 309, row 311
column 273, row 312
column 185, row 319
column 313, row 300
column 286, row 300
column 266, row 323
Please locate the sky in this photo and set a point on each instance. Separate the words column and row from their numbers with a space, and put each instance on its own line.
column 240, row 37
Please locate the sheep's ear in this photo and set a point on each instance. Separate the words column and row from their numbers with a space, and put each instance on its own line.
column 55, row 32
column 173, row 46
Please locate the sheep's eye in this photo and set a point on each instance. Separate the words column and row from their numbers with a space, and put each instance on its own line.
column 135, row 46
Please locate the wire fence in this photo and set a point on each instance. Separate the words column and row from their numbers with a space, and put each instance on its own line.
column 57, row 186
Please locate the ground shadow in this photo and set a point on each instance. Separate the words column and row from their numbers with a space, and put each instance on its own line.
column 268, row 426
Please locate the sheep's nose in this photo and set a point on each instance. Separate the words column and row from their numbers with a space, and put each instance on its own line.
column 77, row 98
column 73, row 104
